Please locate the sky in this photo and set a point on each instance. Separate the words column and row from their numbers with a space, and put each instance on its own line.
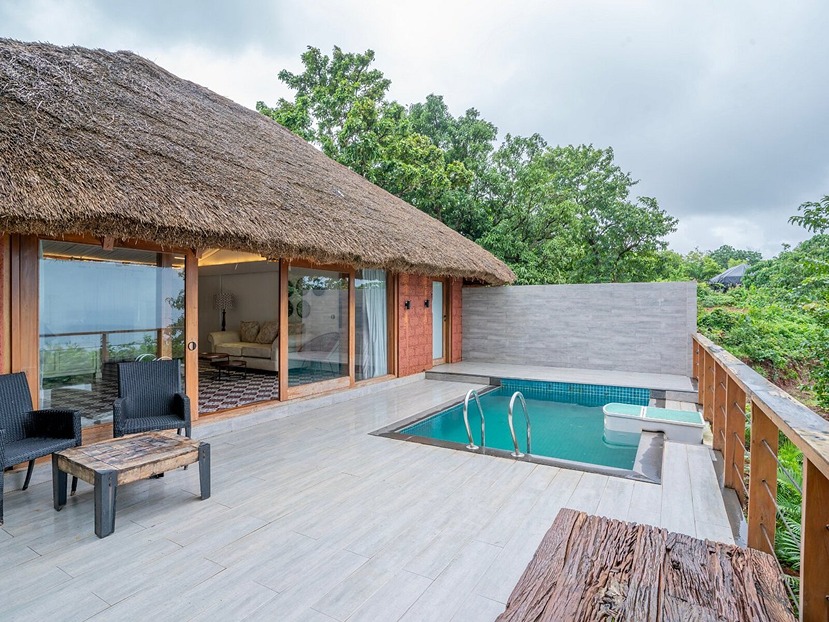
column 719, row 109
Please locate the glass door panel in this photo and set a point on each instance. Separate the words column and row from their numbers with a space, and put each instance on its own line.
column 437, row 320
column 317, row 324
column 98, row 308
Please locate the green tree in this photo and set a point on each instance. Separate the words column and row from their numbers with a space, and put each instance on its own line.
column 701, row 266
column 340, row 105
column 469, row 140
column 815, row 216
column 564, row 214
column 727, row 256
column 555, row 214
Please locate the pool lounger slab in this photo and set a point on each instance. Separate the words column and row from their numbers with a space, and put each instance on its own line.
column 681, row 426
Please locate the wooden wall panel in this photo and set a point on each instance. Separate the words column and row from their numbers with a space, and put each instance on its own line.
column 191, row 331
column 284, row 340
column 25, row 340
column 5, row 304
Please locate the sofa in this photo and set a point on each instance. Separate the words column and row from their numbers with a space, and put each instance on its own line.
column 321, row 351
column 256, row 354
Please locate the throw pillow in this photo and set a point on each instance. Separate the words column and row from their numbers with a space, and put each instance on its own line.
column 248, row 331
column 267, row 332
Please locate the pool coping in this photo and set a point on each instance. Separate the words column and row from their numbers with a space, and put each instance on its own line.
column 647, row 466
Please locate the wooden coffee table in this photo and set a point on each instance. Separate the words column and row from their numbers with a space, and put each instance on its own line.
column 109, row 464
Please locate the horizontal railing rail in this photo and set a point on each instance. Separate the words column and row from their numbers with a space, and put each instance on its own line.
column 122, row 331
column 731, row 394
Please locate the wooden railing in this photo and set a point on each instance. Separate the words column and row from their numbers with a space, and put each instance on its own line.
column 728, row 390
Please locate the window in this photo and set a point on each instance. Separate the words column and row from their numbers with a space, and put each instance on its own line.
column 98, row 308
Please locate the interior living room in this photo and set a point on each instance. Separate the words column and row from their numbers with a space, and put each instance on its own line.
column 238, row 330
column 238, row 320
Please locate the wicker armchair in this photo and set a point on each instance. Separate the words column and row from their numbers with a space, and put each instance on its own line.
column 27, row 434
column 150, row 398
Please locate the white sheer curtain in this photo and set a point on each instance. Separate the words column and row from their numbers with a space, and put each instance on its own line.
column 375, row 360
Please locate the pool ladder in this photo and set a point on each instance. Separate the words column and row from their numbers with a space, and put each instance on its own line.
column 472, row 446
column 517, row 453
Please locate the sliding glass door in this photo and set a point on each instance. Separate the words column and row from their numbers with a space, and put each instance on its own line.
column 318, row 323
column 99, row 307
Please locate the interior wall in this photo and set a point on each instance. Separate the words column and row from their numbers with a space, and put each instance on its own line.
column 255, row 289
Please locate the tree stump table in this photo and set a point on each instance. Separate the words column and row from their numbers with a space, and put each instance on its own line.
column 109, row 464
column 595, row 568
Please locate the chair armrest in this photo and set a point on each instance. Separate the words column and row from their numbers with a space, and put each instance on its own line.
column 223, row 336
column 3, row 464
column 120, row 412
column 181, row 406
column 56, row 423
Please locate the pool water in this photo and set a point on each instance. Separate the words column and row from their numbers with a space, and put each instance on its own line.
column 568, row 430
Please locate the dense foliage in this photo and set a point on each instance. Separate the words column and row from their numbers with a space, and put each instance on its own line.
column 778, row 321
column 554, row 214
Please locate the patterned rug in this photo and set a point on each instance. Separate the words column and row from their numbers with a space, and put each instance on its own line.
column 232, row 390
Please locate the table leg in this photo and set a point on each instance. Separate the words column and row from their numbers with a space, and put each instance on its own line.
column 106, row 484
column 204, row 470
column 58, row 485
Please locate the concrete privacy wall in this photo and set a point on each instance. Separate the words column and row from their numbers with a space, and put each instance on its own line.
column 640, row 327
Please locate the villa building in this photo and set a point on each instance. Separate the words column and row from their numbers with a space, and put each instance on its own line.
column 143, row 216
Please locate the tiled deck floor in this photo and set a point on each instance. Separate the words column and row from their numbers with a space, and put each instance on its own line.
column 312, row 518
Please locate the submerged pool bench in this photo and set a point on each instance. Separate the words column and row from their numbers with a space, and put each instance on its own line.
column 623, row 420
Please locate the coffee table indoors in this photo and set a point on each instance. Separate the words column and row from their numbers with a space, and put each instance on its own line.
column 109, row 464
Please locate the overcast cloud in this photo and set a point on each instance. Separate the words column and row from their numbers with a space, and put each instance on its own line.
column 718, row 108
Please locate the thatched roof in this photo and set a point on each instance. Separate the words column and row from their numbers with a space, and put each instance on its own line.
column 110, row 144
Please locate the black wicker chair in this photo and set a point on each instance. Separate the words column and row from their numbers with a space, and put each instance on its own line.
column 27, row 434
column 150, row 398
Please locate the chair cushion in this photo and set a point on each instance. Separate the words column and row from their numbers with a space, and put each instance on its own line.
column 147, row 424
column 261, row 352
column 232, row 348
column 248, row 331
column 35, row 447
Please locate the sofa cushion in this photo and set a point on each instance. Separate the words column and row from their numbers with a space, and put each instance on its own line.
column 233, row 349
column 257, row 351
column 248, row 331
column 267, row 332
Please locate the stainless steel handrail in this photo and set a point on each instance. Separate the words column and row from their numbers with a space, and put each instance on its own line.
column 472, row 445
column 517, row 453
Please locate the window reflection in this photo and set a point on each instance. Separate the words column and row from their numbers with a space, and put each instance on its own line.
column 98, row 308
column 318, row 325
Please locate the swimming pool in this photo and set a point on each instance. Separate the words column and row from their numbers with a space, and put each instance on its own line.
column 567, row 421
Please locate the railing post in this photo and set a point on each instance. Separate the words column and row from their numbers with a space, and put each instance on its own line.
column 719, row 404
column 104, row 348
column 701, row 375
column 735, row 438
column 814, row 545
column 708, row 395
column 762, row 481
column 695, row 348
